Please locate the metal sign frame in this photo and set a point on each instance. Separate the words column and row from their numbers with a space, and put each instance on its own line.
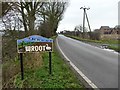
column 32, row 42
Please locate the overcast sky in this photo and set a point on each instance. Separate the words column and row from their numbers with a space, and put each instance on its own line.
column 101, row 13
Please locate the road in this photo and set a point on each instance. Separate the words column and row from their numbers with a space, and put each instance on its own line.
column 100, row 66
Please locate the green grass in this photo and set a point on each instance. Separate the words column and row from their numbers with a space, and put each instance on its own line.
column 61, row 77
column 36, row 76
column 116, row 48
column 81, row 39
column 112, row 44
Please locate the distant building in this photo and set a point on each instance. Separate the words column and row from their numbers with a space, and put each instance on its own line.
column 119, row 13
column 109, row 33
column 108, row 30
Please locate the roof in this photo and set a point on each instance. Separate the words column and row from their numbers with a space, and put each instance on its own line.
column 105, row 27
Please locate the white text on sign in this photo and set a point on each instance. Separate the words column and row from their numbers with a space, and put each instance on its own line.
column 37, row 48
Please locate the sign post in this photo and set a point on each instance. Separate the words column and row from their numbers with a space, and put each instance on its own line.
column 34, row 43
column 21, row 65
column 50, row 68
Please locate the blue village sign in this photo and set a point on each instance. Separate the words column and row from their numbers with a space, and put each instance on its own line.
column 34, row 43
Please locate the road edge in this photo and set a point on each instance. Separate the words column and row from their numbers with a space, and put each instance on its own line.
column 113, row 51
column 87, row 82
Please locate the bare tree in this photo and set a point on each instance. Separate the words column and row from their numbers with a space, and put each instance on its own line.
column 52, row 14
column 5, row 8
column 79, row 30
column 47, row 15
column 28, row 11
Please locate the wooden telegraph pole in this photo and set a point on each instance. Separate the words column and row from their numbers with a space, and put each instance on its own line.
column 85, row 15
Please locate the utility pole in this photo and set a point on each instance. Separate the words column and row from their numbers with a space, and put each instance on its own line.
column 85, row 16
column 88, row 25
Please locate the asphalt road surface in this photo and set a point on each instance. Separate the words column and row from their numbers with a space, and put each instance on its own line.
column 100, row 66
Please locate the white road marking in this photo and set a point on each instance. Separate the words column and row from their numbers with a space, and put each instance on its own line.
column 109, row 50
column 80, row 72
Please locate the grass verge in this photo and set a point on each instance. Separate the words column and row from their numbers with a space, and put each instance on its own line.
column 112, row 44
column 61, row 77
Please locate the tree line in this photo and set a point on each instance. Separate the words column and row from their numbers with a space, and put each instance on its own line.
column 86, row 34
column 33, row 17
column 21, row 19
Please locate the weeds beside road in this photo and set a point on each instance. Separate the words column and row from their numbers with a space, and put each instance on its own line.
column 112, row 44
column 36, row 72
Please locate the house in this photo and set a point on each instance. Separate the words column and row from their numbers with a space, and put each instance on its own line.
column 108, row 30
column 109, row 33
